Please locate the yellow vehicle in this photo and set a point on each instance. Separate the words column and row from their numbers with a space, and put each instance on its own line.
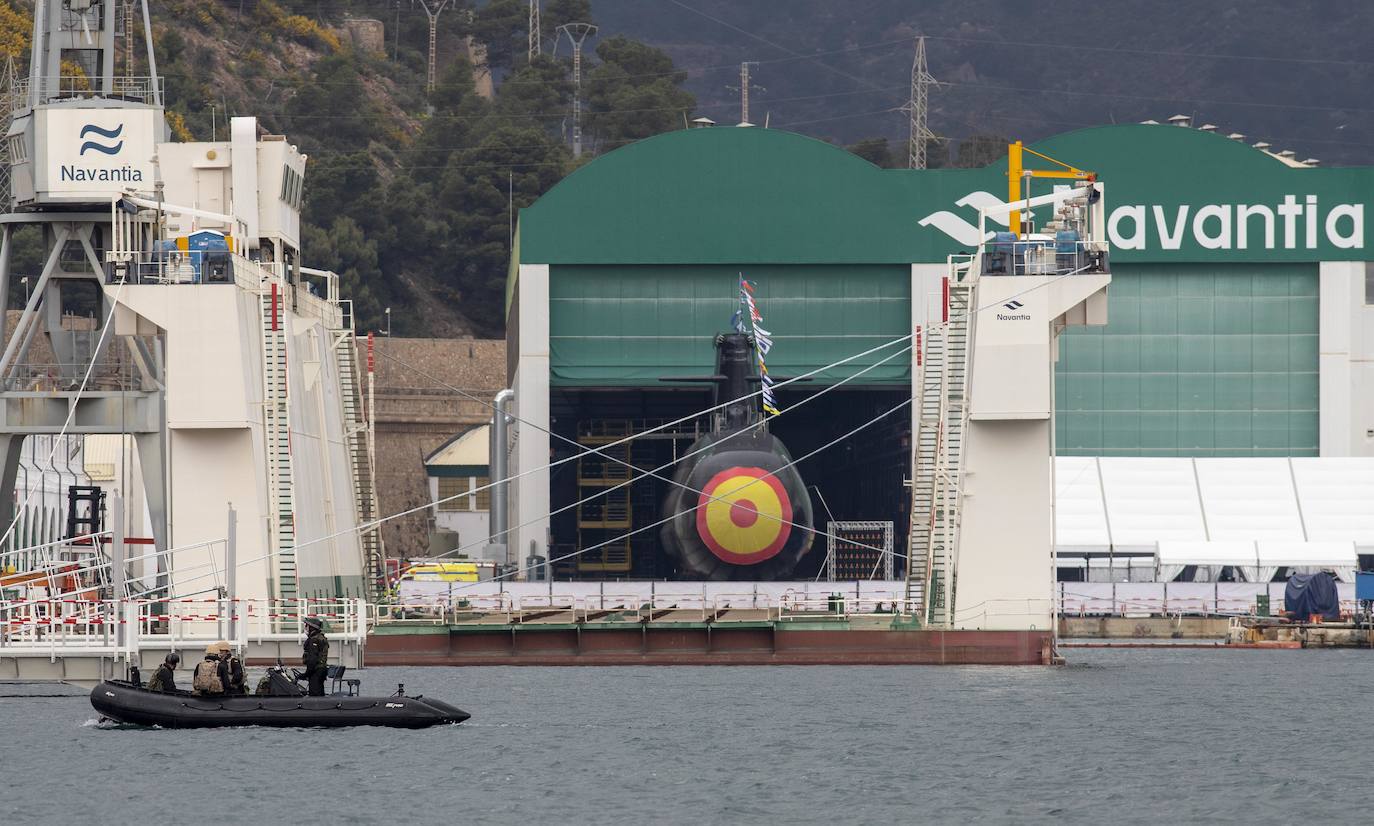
column 444, row 572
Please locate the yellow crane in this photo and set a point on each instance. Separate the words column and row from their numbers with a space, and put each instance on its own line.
column 1017, row 172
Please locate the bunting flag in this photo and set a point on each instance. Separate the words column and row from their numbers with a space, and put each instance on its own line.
column 763, row 340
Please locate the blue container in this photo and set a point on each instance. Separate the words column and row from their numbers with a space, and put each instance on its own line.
column 207, row 239
column 1364, row 585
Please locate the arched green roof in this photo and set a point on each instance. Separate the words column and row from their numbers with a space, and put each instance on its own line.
column 763, row 196
column 723, row 195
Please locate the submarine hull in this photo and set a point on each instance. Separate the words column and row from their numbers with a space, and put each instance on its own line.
column 751, row 520
column 124, row 702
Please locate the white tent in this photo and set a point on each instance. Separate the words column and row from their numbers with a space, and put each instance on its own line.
column 1175, row 555
column 1126, row 505
column 1306, row 558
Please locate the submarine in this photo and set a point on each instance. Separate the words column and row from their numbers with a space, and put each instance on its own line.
column 285, row 705
column 739, row 508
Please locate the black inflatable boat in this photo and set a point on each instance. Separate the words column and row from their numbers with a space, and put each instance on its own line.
column 127, row 702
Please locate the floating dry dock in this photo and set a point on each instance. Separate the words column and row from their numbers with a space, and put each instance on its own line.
column 670, row 636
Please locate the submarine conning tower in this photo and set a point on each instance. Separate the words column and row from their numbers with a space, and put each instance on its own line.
column 734, row 363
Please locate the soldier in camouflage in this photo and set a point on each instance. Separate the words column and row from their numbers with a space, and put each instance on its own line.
column 315, row 657
column 237, row 679
column 164, row 679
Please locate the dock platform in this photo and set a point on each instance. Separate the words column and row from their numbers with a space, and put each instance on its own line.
column 677, row 636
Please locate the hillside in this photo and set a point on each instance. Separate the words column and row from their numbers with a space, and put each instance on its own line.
column 411, row 192
column 1283, row 72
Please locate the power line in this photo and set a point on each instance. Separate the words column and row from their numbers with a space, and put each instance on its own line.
column 768, row 42
column 559, row 462
column 584, row 450
column 770, row 474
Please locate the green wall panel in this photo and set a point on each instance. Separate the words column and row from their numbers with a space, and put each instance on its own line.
column 1195, row 360
column 631, row 325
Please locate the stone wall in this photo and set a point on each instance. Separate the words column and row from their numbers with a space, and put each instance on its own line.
column 418, row 409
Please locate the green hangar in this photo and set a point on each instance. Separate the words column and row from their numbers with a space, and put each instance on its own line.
column 1241, row 316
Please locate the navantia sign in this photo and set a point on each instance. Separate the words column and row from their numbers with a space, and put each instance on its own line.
column 1180, row 195
column 91, row 154
column 1295, row 222
column 1292, row 222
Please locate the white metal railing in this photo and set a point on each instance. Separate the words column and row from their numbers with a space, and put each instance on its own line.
column 145, row 89
column 309, row 304
column 57, row 627
column 1161, row 599
column 1042, row 256
column 174, row 266
column 688, row 607
column 810, row 606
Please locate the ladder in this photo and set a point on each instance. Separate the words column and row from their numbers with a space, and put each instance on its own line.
column 277, row 435
column 360, row 454
column 937, row 451
column 605, row 515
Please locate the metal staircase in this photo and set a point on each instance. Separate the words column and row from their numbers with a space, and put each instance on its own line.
column 937, row 453
column 360, row 453
column 277, row 435
column 603, row 519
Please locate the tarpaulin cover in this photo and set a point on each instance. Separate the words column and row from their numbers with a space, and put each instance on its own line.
column 1309, row 594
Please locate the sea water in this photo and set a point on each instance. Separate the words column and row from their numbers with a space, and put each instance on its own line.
column 1122, row 736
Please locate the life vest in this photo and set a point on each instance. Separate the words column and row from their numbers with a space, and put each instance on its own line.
column 206, row 679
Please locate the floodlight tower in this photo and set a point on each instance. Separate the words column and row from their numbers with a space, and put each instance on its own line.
column 577, row 33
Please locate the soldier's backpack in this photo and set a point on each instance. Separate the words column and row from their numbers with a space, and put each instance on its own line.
column 206, row 679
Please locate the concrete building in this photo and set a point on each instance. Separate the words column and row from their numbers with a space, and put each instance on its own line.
column 1241, row 310
column 459, row 473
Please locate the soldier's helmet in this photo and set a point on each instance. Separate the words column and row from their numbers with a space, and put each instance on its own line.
column 313, row 622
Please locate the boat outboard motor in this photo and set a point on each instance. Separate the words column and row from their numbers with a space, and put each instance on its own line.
column 279, row 685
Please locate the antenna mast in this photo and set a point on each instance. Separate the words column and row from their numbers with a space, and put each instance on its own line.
column 536, row 40
column 432, row 9
column 577, row 33
column 918, row 107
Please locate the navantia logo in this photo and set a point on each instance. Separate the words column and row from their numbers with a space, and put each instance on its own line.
column 1296, row 222
column 1013, row 305
column 95, row 145
column 957, row 227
